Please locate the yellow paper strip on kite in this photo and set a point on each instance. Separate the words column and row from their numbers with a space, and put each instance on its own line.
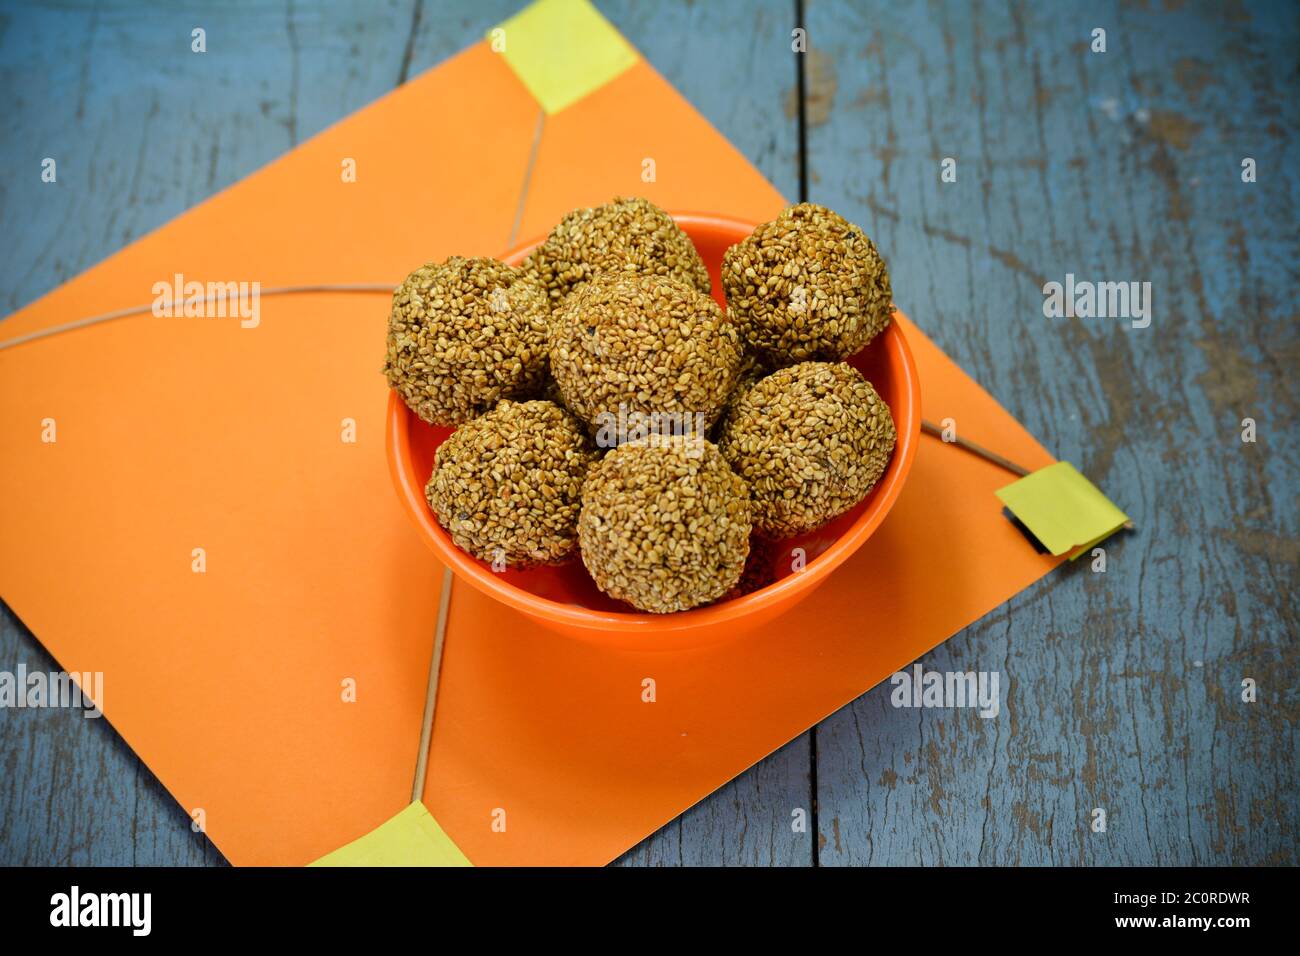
column 1062, row 509
column 411, row 838
column 561, row 50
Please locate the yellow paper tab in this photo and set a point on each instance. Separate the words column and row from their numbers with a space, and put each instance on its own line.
column 1062, row 509
column 561, row 50
column 411, row 838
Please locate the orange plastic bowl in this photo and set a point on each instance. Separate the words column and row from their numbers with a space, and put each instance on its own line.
column 566, row 600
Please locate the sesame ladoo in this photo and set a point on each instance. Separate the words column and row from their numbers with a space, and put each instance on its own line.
column 809, row 285
column 647, row 345
column 463, row 335
column 665, row 524
column 811, row 440
column 507, row 486
column 625, row 235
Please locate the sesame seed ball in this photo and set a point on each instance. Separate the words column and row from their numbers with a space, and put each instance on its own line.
column 647, row 343
column 464, row 334
column 807, row 285
column 507, row 486
column 665, row 524
column 625, row 235
column 811, row 440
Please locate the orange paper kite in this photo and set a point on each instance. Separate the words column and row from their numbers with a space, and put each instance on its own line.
column 230, row 676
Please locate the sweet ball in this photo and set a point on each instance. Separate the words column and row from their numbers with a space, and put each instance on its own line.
column 463, row 335
column 644, row 345
column 810, row 440
column 809, row 285
column 507, row 485
column 627, row 235
column 665, row 524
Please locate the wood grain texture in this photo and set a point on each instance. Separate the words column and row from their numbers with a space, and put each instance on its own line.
column 1120, row 690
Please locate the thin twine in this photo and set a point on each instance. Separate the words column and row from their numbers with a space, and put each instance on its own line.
column 930, row 428
column 440, row 632
column 207, row 300
column 371, row 287
column 933, row 430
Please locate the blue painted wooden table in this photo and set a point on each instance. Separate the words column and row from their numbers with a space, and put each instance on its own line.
column 1123, row 690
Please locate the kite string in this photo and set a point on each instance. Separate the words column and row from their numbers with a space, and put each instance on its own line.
column 364, row 287
column 448, row 580
column 934, row 431
column 374, row 287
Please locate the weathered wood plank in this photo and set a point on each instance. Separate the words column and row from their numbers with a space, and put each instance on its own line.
column 1122, row 690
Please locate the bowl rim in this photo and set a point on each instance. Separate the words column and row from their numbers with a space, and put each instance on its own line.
column 480, row 575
